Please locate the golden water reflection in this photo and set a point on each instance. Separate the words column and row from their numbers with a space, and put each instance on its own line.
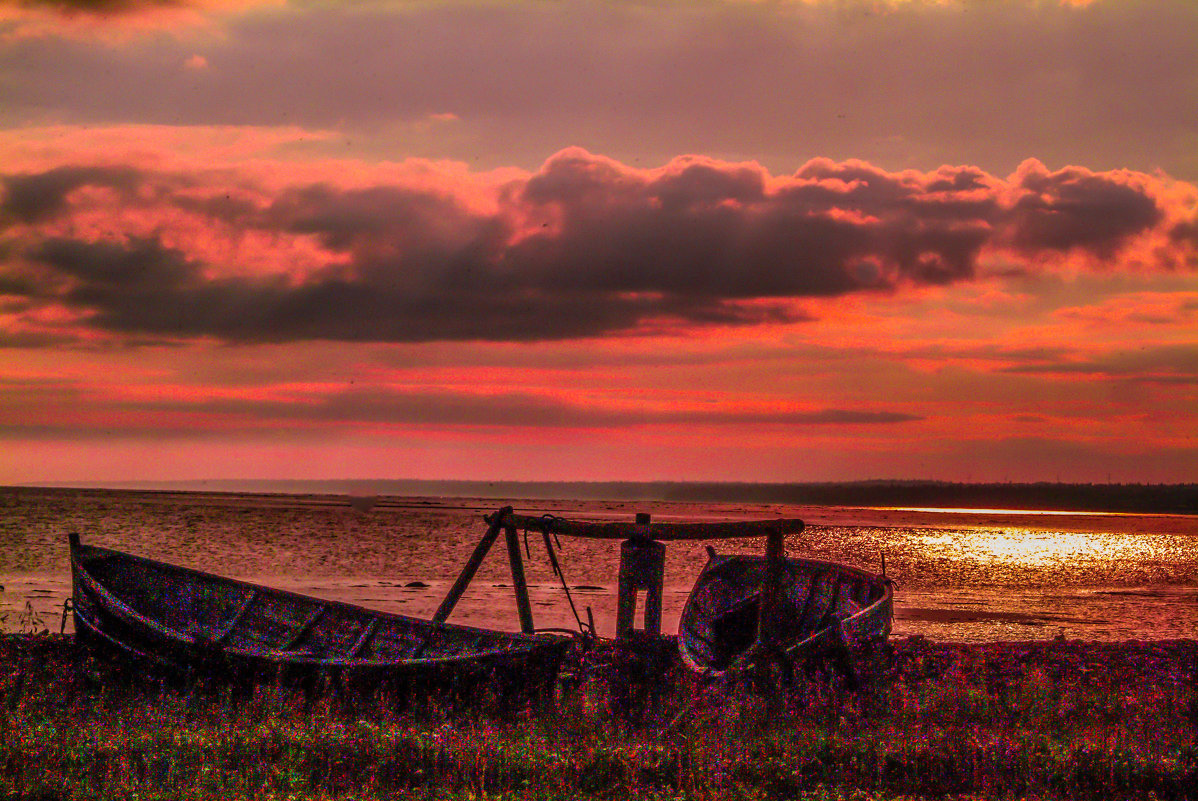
column 1018, row 556
column 1031, row 548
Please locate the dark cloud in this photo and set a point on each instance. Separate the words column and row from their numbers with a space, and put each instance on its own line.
column 37, row 196
column 1074, row 208
column 103, row 7
column 585, row 246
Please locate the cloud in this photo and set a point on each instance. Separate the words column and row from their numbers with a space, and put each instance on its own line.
column 115, row 9
column 103, row 6
column 1076, row 208
column 38, row 196
column 105, row 23
column 1160, row 364
column 585, row 246
column 57, row 407
column 922, row 84
column 1138, row 309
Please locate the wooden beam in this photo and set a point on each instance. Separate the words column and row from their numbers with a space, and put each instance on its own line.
column 733, row 529
column 467, row 575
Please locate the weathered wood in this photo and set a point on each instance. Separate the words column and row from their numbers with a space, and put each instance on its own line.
column 467, row 575
column 657, row 531
column 237, row 617
column 716, row 628
column 642, row 567
column 154, row 611
column 768, row 609
column 523, row 607
column 363, row 638
column 304, row 627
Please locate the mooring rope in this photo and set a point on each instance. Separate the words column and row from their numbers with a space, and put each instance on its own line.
column 548, row 519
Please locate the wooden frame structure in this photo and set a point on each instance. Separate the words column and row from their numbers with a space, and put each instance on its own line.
column 642, row 560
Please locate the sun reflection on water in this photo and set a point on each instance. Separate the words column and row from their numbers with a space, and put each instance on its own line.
column 1032, row 548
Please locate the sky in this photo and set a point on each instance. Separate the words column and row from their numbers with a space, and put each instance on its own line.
column 719, row 240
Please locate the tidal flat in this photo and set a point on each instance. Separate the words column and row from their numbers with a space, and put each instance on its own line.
column 1050, row 719
column 961, row 575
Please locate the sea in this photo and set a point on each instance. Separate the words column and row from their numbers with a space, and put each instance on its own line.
column 960, row 575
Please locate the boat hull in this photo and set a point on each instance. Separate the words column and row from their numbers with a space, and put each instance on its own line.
column 821, row 608
column 178, row 618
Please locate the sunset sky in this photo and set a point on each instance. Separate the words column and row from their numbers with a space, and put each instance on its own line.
column 720, row 240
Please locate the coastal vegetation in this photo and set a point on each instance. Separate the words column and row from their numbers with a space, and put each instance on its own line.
column 1052, row 719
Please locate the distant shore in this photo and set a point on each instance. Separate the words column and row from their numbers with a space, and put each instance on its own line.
column 1038, row 496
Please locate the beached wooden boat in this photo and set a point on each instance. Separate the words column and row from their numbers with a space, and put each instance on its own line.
column 181, row 618
column 820, row 609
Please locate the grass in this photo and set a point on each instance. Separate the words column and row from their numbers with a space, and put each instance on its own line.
column 1048, row 720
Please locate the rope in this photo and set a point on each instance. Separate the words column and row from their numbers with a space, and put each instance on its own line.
column 67, row 607
column 548, row 519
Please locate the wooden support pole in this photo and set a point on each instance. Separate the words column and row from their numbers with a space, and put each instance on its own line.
column 517, row 562
column 642, row 567
column 767, row 618
column 496, row 522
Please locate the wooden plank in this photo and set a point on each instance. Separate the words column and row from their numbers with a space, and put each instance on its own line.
column 733, row 529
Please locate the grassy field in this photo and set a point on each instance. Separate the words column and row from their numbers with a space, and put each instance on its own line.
column 1042, row 720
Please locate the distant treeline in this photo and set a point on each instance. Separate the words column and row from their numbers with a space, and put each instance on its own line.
column 1138, row 498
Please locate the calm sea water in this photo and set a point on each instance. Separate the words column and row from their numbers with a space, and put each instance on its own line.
column 966, row 576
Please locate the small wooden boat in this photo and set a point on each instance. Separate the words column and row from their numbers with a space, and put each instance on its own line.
column 181, row 618
column 820, row 609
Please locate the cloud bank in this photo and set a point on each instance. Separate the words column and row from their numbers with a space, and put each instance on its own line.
column 911, row 83
column 583, row 247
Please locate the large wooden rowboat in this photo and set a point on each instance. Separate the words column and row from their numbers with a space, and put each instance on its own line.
column 181, row 618
column 820, row 609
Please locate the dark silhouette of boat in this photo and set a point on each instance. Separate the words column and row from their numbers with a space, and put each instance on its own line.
column 175, row 617
column 821, row 609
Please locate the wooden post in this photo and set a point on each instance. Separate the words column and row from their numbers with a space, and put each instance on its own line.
column 476, row 559
column 766, row 618
column 642, row 567
column 517, row 563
